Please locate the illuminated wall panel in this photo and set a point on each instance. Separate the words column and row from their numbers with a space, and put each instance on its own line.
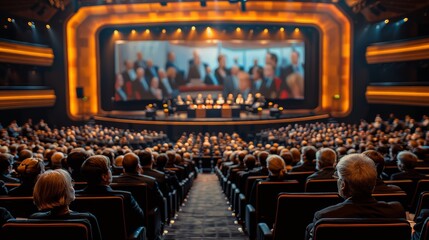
column 402, row 95
column 398, row 52
column 11, row 99
column 335, row 30
column 25, row 54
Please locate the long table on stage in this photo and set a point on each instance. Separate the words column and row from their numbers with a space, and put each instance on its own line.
column 230, row 112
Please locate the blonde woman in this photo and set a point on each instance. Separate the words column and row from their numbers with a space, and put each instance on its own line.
column 53, row 194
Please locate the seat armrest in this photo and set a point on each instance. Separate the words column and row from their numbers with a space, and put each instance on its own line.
column 263, row 232
column 138, row 234
column 251, row 221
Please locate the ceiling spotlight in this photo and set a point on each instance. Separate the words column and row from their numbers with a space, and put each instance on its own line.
column 179, row 30
column 133, row 31
column 164, row 31
column 296, row 30
column 115, row 32
column 31, row 24
column 282, row 29
column 147, row 31
column 405, row 19
column 48, row 26
column 266, row 30
column 238, row 29
column 9, row 19
column 193, row 28
column 386, row 21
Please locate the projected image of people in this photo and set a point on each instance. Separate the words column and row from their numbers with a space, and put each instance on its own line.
column 160, row 70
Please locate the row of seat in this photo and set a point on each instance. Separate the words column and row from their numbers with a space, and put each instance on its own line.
column 109, row 210
column 268, row 207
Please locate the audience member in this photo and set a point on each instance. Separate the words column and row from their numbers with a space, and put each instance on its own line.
column 96, row 171
column 6, row 161
column 53, row 194
column 407, row 162
column 29, row 170
column 357, row 176
column 325, row 160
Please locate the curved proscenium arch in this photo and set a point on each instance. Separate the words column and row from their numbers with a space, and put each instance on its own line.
column 334, row 26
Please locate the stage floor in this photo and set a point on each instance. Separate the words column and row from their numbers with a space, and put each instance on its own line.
column 181, row 118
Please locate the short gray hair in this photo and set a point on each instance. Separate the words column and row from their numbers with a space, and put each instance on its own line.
column 359, row 172
column 326, row 157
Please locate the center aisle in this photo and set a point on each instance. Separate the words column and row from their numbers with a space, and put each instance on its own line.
column 206, row 214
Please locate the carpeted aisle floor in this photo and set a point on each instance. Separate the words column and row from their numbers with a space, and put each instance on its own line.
column 205, row 214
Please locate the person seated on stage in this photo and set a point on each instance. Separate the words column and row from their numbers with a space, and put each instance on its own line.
column 230, row 99
column 356, row 175
column 189, row 100
column 249, row 99
column 209, row 100
column 239, row 99
column 199, row 99
column 220, row 100
column 53, row 194
column 179, row 100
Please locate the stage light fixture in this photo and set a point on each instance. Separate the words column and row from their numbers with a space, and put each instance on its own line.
column 193, row 28
column 31, row 24
column 405, row 20
column 386, row 21
column 282, row 29
column 48, row 26
column 266, row 30
column 243, row 5
column 179, row 30
column 296, row 30
column 147, row 31
column 203, row 3
column 115, row 32
column 133, row 31
column 238, row 29
column 164, row 31
column 9, row 19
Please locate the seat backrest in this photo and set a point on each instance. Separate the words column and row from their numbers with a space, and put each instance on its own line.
column 423, row 202
column 249, row 184
column 296, row 210
column 109, row 211
column 422, row 185
column 21, row 207
column 301, row 177
column 392, row 197
column 408, row 186
column 321, row 185
column 266, row 198
column 139, row 192
column 424, row 234
column 361, row 228
column 71, row 229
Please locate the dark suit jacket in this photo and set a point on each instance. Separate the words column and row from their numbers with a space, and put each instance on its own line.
column 324, row 173
column 148, row 73
column 25, row 189
column 3, row 189
column 219, row 77
column 229, row 87
column 194, row 72
column 306, row 166
column 270, row 91
column 139, row 92
column 154, row 193
column 160, row 179
column 359, row 208
column 134, row 215
column 95, row 229
column 420, row 220
column 9, row 179
column 209, row 80
column 252, row 67
column 4, row 216
column 410, row 174
column 381, row 187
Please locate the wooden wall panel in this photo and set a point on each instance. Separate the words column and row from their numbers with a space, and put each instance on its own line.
column 12, row 99
column 398, row 52
column 401, row 95
column 25, row 54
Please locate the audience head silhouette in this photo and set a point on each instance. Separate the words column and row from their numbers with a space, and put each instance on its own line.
column 96, row 170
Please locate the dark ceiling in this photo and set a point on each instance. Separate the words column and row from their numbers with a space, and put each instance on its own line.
column 373, row 10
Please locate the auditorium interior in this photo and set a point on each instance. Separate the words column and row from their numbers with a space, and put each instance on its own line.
column 214, row 119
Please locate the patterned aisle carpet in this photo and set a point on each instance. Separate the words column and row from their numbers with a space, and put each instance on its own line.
column 205, row 214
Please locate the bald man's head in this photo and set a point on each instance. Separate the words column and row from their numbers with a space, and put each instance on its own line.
column 130, row 163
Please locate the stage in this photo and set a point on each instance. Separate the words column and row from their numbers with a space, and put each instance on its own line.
column 179, row 122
